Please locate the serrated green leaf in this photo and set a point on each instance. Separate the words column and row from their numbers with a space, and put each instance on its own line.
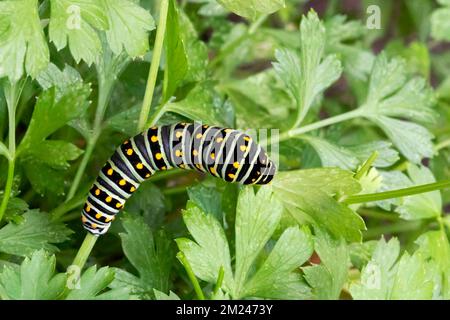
column 148, row 253
column 92, row 286
column 422, row 206
column 74, row 22
column 210, row 250
column 332, row 155
column 252, row 8
column 275, row 278
column 328, row 277
column 162, row 296
column 62, row 80
column 128, row 27
column 385, row 278
column 35, row 280
column 51, row 114
column 308, row 194
column 307, row 76
column 256, row 219
column 199, row 105
column 413, row 140
column 23, row 47
column 55, row 153
column 35, row 232
column 176, row 57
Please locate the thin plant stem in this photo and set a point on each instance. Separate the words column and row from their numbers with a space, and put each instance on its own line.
column 12, row 94
column 105, row 88
column 320, row 124
column 399, row 227
column 370, row 197
column 366, row 166
column 85, row 250
column 154, row 67
column 198, row 290
column 83, row 164
column 442, row 145
column 219, row 280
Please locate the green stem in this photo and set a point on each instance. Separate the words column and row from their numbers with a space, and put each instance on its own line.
column 85, row 250
column 366, row 166
column 198, row 290
column 67, row 206
column 397, row 193
column 399, row 227
column 105, row 87
column 377, row 214
column 219, row 280
column 442, row 145
column 83, row 164
column 8, row 189
column 175, row 190
column 154, row 67
column 12, row 94
column 320, row 124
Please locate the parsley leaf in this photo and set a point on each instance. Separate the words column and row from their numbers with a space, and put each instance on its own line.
column 308, row 75
column 23, row 47
column 35, row 279
column 149, row 253
column 252, row 8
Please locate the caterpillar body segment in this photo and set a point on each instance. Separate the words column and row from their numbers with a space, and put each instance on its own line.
column 221, row 152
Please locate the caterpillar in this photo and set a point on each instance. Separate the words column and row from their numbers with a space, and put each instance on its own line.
column 221, row 152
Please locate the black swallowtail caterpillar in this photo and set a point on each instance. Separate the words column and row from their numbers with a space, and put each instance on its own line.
column 222, row 152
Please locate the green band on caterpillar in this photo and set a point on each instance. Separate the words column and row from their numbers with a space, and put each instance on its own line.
column 221, row 152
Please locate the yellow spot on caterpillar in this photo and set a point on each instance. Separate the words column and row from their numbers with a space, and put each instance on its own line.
column 198, row 166
column 253, row 180
column 182, row 166
column 109, row 219
column 126, row 142
column 94, row 226
column 154, row 138
column 236, row 164
column 98, row 215
column 110, row 172
column 147, row 175
column 219, row 140
column 164, row 168
column 108, row 199
column 179, row 134
column 213, row 170
column 213, row 155
column 129, row 152
column 231, row 175
column 122, row 182
column 247, row 138
column 228, row 130
column 243, row 148
column 199, row 135
column 158, row 156
column 258, row 173
column 97, row 192
column 118, row 205
column 195, row 152
column 88, row 208
column 139, row 165
column 178, row 153
column 132, row 189
column 83, row 218
column 205, row 126
column 154, row 128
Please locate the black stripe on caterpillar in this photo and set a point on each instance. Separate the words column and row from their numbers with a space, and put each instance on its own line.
column 221, row 152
